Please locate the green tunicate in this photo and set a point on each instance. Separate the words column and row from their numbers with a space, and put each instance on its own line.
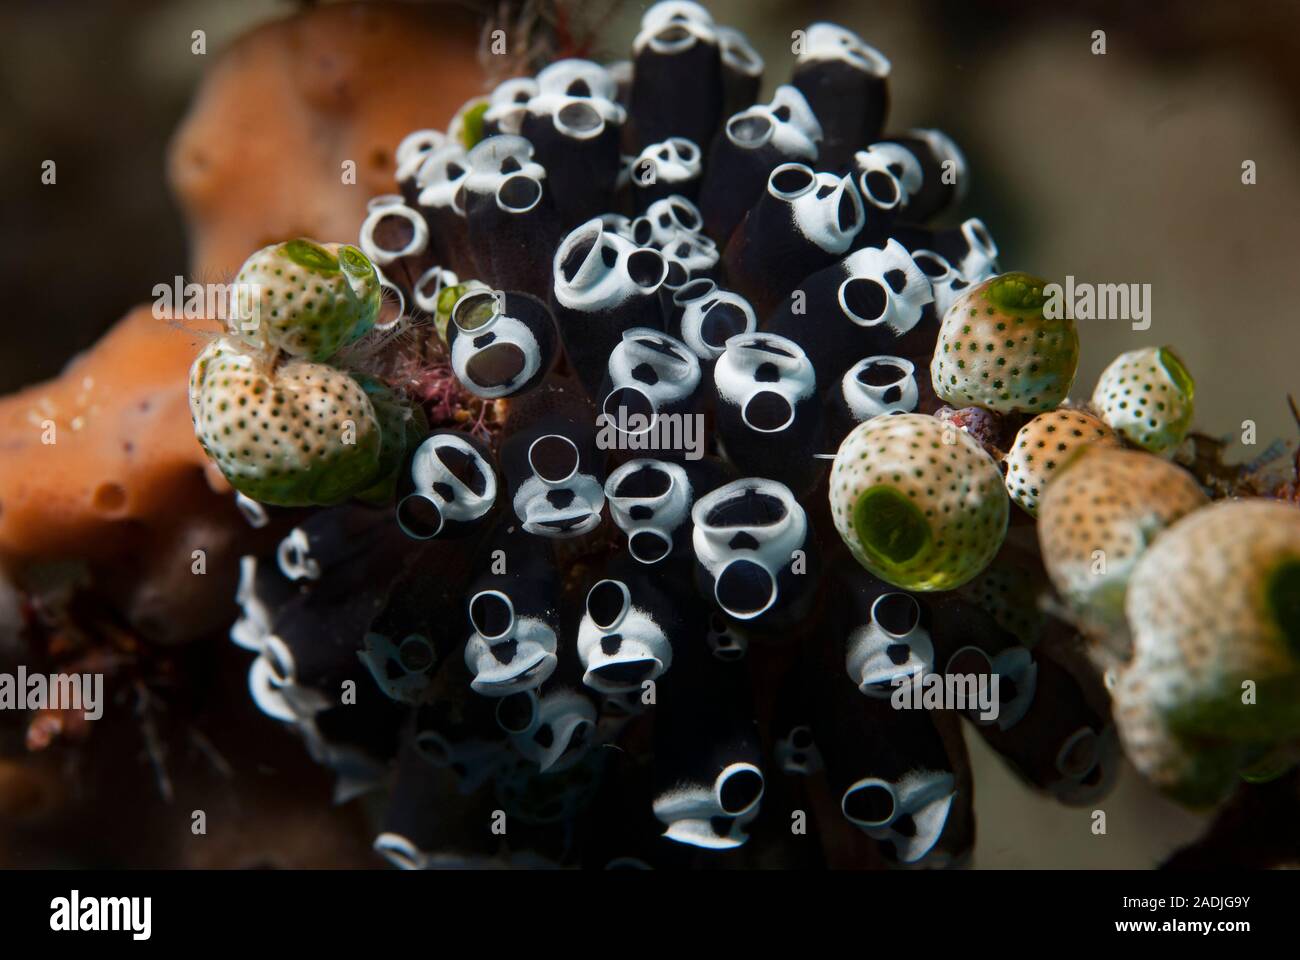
column 891, row 529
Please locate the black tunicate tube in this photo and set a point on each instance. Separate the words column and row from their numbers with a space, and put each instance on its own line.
column 652, row 396
column 751, row 144
column 889, row 769
column 450, row 487
column 708, row 778
column 846, row 82
column 872, row 387
column 577, row 140
column 603, row 285
column 859, row 307
column 415, row 148
column 510, row 215
column 742, row 70
column 634, row 619
column 501, row 343
column 410, row 828
column 441, row 181
column 676, row 75
column 650, row 500
column 803, row 222
column 553, row 466
column 513, row 614
column 768, row 411
column 931, row 169
column 756, row 555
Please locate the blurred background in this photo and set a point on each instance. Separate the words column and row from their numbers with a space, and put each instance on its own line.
column 1117, row 168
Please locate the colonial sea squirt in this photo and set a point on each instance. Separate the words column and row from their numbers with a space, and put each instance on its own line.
column 461, row 449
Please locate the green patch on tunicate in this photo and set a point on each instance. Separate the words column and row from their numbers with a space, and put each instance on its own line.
column 355, row 263
column 475, row 312
column 311, row 255
column 1177, row 372
column 1017, row 292
column 363, row 279
column 1206, row 774
column 448, row 296
column 472, row 124
column 891, row 529
column 1267, row 763
column 1072, row 456
column 1217, row 711
column 446, row 300
column 318, row 484
column 1283, row 598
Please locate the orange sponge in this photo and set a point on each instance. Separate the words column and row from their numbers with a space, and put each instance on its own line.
column 261, row 156
column 104, row 449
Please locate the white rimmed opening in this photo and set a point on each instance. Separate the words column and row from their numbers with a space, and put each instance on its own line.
column 865, row 299
column 580, row 120
column 399, row 851
column 517, row 713
column 519, row 194
column 744, row 589
column 416, row 653
column 648, row 546
column 897, row 614
column 419, row 516
column 492, row 614
column 750, row 130
column 673, row 38
column 554, row 458
column 647, row 268
column 476, row 311
column 737, row 52
column 294, row 556
column 280, row 659
column 1079, row 753
column 393, row 231
column 623, row 403
column 790, row 181
column 392, row 305
column 429, row 287
column 979, row 238
column 767, row 412
column 693, row 290
column 738, row 788
column 870, row 802
column 608, row 602
column 880, row 189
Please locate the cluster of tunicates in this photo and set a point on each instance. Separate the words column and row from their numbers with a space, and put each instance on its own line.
column 767, row 466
